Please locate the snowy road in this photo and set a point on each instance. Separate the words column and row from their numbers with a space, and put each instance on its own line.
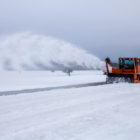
column 11, row 81
column 107, row 112
column 15, row 92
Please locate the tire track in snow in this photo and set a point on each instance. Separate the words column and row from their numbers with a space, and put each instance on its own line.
column 15, row 92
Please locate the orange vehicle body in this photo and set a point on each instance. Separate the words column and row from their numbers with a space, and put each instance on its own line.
column 133, row 72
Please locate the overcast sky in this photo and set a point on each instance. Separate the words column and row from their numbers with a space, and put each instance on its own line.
column 103, row 27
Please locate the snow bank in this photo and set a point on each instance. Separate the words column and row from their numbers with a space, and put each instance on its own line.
column 27, row 51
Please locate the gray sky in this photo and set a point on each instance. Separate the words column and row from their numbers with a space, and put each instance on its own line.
column 103, row 27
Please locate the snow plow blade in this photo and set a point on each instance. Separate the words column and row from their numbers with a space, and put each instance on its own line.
column 119, row 78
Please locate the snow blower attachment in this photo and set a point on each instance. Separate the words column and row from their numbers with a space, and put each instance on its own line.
column 126, row 70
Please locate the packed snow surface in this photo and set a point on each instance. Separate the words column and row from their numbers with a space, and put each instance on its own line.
column 27, row 51
column 107, row 112
column 13, row 80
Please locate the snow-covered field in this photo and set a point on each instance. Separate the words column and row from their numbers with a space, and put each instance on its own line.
column 107, row 112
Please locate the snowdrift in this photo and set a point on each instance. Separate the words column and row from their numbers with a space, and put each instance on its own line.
column 27, row 51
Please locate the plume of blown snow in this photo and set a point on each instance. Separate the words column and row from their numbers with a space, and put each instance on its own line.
column 27, row 51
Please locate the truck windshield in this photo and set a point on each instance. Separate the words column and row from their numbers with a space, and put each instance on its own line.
column 126, row 64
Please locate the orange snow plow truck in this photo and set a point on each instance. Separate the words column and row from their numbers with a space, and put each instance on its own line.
column 126, row 70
